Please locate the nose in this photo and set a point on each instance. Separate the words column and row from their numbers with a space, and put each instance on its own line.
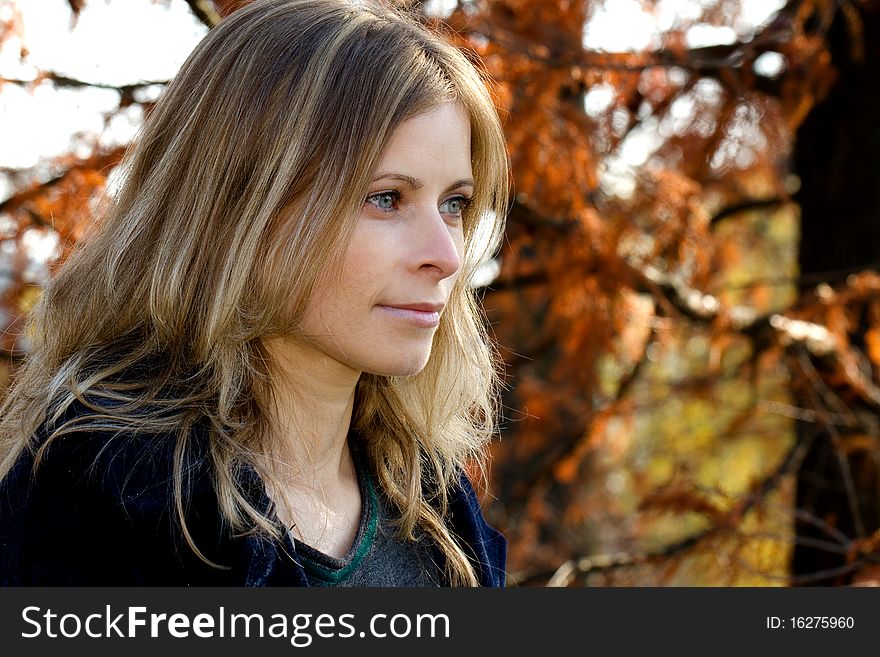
column 440, row 246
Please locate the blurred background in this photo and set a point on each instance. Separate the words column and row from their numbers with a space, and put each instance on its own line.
column 687, row 300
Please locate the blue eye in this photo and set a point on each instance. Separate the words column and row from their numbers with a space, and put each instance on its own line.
column 384, row 201
column 456, row 205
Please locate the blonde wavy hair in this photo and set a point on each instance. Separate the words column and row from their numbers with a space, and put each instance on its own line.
column 242, row 186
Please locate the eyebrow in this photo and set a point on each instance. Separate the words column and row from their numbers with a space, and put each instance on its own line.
column 415, row 183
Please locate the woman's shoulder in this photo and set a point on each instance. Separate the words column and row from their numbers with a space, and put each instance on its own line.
column 488, row 546
column 126, row 467
column 98, row 508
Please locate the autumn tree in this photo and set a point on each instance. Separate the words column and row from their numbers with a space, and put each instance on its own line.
column 657, row 326
column 686, row 301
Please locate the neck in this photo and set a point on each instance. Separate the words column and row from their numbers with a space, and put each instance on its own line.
column 313, row 402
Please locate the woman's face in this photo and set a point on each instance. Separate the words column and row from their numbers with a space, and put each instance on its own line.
column 380, row 314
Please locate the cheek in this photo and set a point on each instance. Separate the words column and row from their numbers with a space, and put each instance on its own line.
column 363, row 259
column 314, row 320
column 345, row 294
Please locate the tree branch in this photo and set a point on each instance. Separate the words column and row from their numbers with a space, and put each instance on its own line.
column 59, row 80
column 563, row 575
column 98, row 161
column 747, row 206
column 12, row 357
column 205, row 11
column 706, row 59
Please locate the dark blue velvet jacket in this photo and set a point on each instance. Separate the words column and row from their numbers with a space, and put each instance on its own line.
column 99, row 513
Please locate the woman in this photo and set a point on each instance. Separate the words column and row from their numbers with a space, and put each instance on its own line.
column 265, row 366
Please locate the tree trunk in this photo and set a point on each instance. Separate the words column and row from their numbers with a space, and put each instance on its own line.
column 837, row 157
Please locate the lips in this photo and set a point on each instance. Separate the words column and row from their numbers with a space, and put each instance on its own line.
column 423, row 314
column 423, row 307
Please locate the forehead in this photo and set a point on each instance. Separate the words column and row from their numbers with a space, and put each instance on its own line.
column 436, row 141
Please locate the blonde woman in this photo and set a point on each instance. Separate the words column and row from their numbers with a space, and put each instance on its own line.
column 265, row 366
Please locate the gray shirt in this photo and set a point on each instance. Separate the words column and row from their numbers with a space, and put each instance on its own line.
column 377, row 557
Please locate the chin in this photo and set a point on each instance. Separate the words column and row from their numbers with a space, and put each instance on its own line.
column 400, row 365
